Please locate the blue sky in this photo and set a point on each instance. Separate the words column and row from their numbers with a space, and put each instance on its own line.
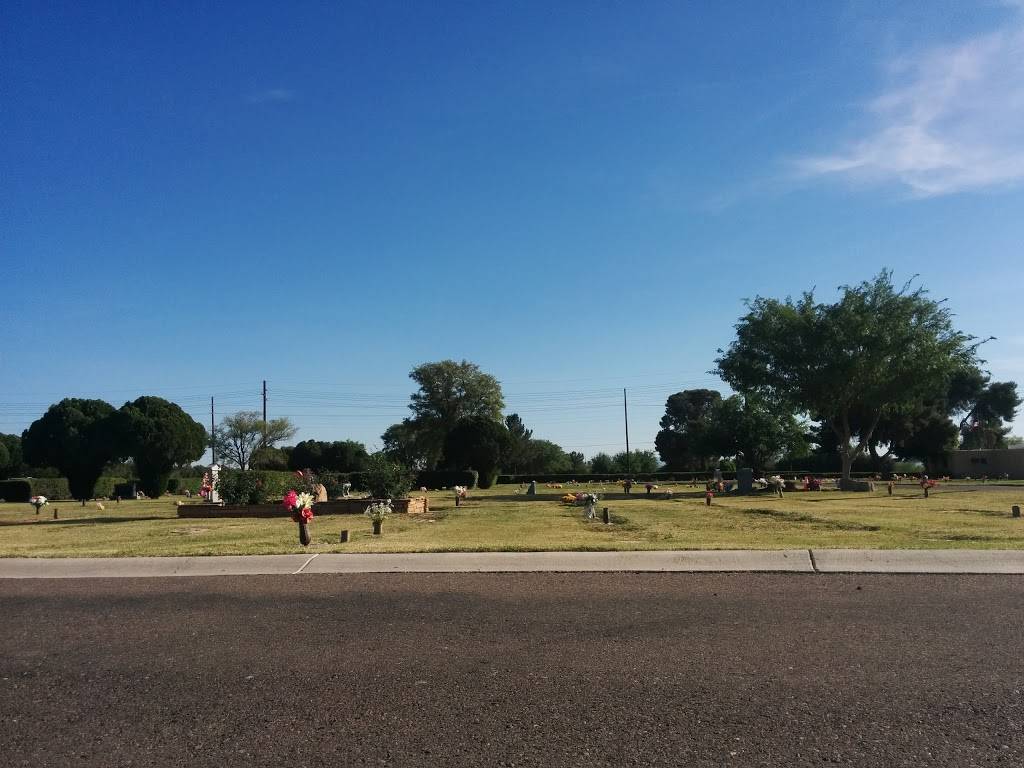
column 575, row 196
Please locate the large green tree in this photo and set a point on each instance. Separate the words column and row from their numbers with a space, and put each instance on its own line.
column 159, row 436
column 401, row 445
column 239, row 436
column 684, row 442
column 543, row 457
column 518, row 456
column 602, row 464
column 636, row 461
column 336, row 456
column 477, row 442
column 578, row 463
column 878, row 350
column 11, row 463
column 76, row 436
column 448, row 392
column 755, row 433
column 984, row 425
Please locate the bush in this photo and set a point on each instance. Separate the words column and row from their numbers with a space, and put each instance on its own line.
column 15, row 490
column 253, row 486
column 385, row 479
column 23, row 488
column 173, row 484
column 238, row 487
column 488, row 478
column 189, row 483
column 51, row 487
column 105, row 487
column 440, row 479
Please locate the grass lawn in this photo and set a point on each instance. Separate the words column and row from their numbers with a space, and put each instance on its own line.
column 500, row 520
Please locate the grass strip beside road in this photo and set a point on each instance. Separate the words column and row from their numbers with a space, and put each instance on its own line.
column 500, row 520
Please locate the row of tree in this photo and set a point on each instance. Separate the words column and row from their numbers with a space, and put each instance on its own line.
column 881, row 372
column 80, row 437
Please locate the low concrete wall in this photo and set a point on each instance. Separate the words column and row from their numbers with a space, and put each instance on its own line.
column 993, row 463
column 415, row 506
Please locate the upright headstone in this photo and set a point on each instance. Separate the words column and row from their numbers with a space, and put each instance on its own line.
column 718, row 475
column 214, row 477
column 532, row 490
column 744, row 480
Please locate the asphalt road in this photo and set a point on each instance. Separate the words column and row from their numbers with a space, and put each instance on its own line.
column 513, row 669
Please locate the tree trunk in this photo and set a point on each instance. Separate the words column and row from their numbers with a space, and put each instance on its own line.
column 847, row 466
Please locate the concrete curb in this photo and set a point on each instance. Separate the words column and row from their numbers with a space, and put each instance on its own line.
column 685, row 561
column 792, row 560
column 796, row 560
column 919, row 560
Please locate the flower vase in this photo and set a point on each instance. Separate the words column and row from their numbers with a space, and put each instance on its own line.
column 304, row 533
column 376, row 527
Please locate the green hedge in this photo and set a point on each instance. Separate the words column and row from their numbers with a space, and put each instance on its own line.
column 17, row 490
column 641, row 477
column 105, row 487
column 23, row 488
column 440, row 479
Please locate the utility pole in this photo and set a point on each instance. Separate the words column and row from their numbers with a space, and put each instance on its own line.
column 213, row 444
column 264, row 412
column 625, row 413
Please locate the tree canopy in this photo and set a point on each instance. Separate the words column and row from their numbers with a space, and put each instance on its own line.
column 237, row 437
column 878, row 350
column 684, row 440
column 336, row 456
column 448, row 392
column 10, row 457
column 477, row 442
column 158, row 435
column 76, row 436
column 602, row 464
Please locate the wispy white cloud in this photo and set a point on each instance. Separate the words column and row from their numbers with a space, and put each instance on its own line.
column 271, row 95
column 951, row 120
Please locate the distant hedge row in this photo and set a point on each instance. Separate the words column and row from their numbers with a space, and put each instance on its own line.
column 642, row 477
column 24, row 488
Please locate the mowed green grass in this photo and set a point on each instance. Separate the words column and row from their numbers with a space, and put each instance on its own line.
column 501, row 520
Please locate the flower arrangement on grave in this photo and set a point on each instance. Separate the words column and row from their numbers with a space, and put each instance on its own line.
column 589, row 502
column 570, row 498
column 206, row 486
column 38, row 502
column 378, row 512
column 461, row 494
column 300, row 505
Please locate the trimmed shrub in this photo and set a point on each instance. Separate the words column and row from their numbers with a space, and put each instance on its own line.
column 254, row 486
column 439, row 479
column 487, row 479
column 105, row 486
column 173, row 484
column 237, row 487
column 386, row 479
column 15, row 490
column 23, row 488
column 51, row 487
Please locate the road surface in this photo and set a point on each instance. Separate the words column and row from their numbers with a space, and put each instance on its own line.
column 526, row 669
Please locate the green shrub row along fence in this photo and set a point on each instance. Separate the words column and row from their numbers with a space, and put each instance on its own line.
column 654, row 477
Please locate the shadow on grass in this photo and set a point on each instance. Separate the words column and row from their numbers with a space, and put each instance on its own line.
column 796, row 517
column 82, row 520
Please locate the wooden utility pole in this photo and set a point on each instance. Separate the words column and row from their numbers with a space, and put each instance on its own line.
column 264, row 412
column 625, row 412
column 213, row 443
